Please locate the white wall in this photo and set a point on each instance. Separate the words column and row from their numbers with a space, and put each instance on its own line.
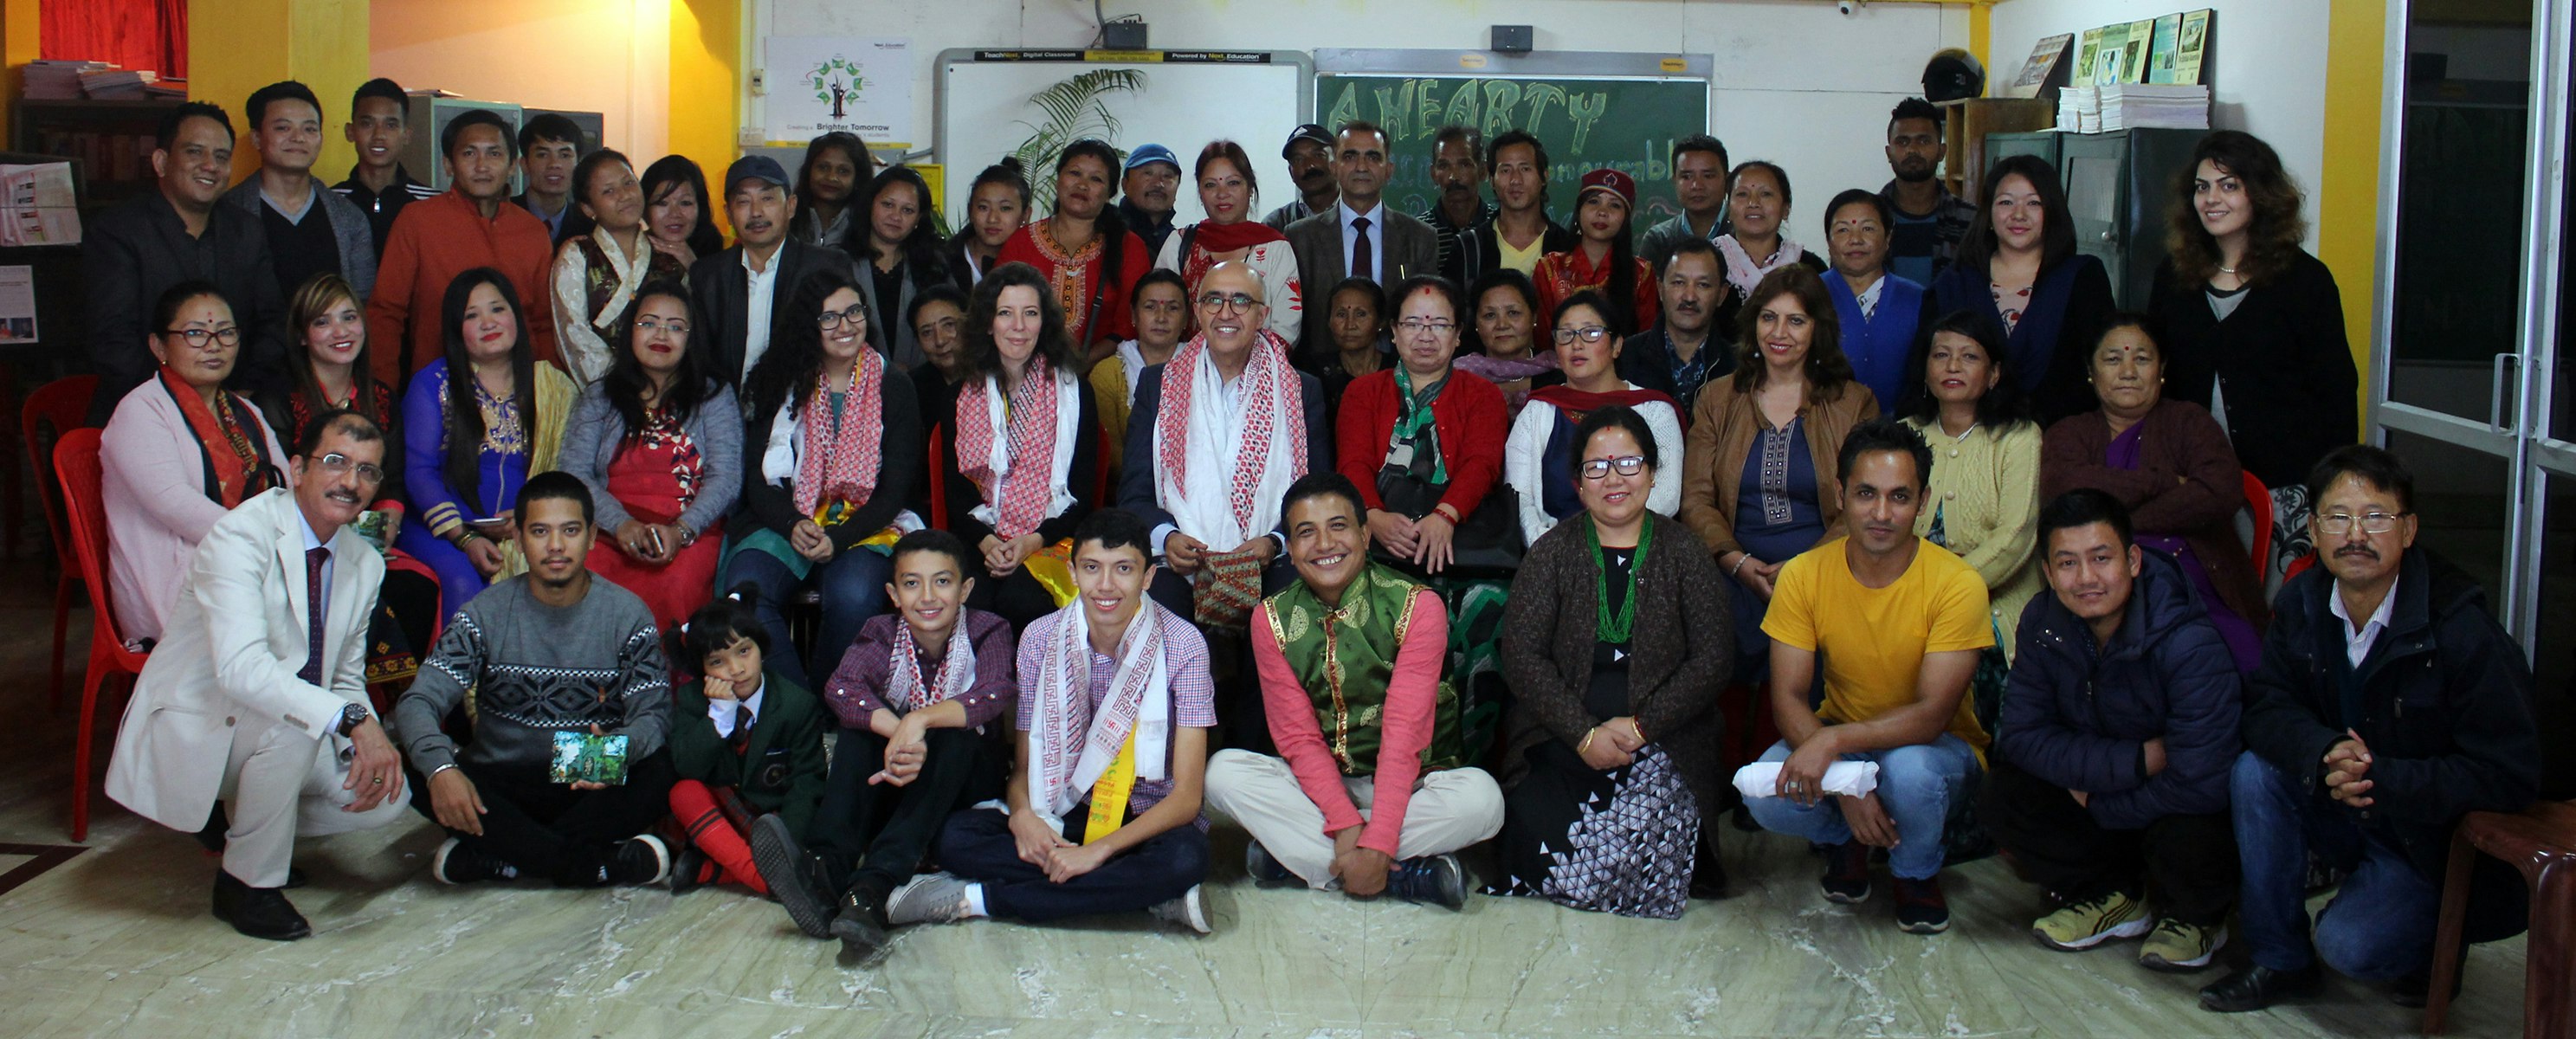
column 1796, row 81
column 607, row 56
column 2270, row 79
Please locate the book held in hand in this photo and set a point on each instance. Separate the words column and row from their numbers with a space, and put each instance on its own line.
column 583, row 758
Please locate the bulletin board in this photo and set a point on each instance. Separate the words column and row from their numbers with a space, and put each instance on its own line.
column 1189, row 98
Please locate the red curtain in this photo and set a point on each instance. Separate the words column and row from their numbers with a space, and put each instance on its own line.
column 137, row 34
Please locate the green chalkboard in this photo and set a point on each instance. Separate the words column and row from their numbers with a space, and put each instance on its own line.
column 1628, row 124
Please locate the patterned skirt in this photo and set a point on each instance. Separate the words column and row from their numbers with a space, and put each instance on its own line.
column 1621, row 841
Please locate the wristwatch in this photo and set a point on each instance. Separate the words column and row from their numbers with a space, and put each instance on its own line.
column 351, row 717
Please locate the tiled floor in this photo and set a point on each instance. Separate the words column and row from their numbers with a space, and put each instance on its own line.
column 117, row 941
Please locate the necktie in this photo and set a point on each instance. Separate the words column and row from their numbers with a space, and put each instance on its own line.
column 741, row 728
column 1363, row 258
column 313, row 560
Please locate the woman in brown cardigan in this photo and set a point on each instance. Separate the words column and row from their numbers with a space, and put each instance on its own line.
column 1614, row 727
column 2170, row 463
column 1758, row 473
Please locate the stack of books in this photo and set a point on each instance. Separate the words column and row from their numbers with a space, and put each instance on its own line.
column 167, row 89
column 114, row 83
column 2132, row 106
column 2124, row 106
column 57, row 80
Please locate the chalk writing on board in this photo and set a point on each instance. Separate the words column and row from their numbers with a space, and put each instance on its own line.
column 1626, row 124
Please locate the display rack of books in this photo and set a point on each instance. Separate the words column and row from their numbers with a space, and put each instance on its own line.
column 1969, row 120
column 109, row 141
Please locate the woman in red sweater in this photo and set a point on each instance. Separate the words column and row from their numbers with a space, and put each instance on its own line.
column 1423, row 448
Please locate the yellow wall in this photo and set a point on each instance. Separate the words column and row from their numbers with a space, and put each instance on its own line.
column 706, row 66
column 233, row 49
column 2348, row 230
column 19, row 27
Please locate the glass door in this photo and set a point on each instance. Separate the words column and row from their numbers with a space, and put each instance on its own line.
column 2469, row 337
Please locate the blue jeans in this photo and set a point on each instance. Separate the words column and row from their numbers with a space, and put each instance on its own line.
column 853, row 586
column 1915, row 784
column 2379, row 926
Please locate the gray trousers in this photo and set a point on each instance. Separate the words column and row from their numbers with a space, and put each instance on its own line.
column 281, row 784
column 1450, row 809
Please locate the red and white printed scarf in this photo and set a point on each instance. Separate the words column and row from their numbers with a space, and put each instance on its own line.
column 1021, row 457
column 1070, row 744
column 1267, row 438
column 909, row 690
column 841, row 464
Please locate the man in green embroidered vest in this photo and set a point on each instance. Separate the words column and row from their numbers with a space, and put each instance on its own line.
column 1366, row 793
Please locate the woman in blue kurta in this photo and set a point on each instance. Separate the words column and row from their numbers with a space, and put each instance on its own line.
column 470, row 442
column 2018, row 267
column 1880, row 313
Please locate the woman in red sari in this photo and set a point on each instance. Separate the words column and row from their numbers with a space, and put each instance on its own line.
column 659, row 442
column 1088, row 258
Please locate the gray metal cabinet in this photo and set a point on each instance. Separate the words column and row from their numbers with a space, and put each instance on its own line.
column 2121, row 188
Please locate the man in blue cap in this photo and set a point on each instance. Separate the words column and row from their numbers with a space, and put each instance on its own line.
column 742, row 291
column 1152, row 183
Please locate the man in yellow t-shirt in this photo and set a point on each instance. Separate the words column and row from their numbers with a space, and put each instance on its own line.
column 1896, row 623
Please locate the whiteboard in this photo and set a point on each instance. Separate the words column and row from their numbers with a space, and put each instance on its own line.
column 984, row 113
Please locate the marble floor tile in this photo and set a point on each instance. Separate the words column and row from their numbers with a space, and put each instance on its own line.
column 118, row 942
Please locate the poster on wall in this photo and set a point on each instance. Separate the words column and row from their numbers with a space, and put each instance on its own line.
column 861, row 85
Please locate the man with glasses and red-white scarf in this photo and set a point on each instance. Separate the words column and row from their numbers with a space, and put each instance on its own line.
column 256, row 696
column 1218, row 434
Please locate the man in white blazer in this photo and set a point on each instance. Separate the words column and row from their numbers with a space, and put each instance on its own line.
column 256, row 694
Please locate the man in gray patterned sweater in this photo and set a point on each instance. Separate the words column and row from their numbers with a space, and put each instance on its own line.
column 550, row 655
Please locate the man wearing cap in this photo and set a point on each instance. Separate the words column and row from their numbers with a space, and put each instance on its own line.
column 1358, row 236
column 1458, row 170
column 1153, row 179
column 742, row 292
column 437, row 238
column 1309, row 152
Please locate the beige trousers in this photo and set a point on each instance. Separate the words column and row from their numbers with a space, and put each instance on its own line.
column 1450, row 809
column 282, row 784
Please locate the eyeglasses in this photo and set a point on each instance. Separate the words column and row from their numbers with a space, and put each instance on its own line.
column 652, row 326
column 2371, row 522
column 831, row 319
column 1414, row 326
column 338, row 464
column 1599, row 468
column 1221, row 302
column 197, row 337
column 1593, row 334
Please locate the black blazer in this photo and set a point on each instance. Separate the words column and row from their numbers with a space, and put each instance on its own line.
column 1136, row 478
column 961, row 496
column 135, row 252
column 723, row 289
column 2281, row 358
column 899, row 465
column 1410, row 247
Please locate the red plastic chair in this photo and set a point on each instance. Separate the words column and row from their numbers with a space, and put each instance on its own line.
column 2258, row 501
column 76, row 463
column 56, row 408
column 937, row 473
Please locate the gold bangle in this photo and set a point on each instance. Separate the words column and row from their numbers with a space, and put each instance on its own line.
column 1586, row 745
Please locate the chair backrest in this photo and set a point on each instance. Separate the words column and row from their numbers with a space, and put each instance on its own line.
column 2258, row 502
column 56, row 408
column 76, row 465
column 934, row 476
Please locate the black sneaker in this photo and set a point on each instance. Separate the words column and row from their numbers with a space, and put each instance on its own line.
column 783, row 866
column 458, row 863
column 640, row 860
column 860, row 922
column 260, row 912
column 1920, row 909
column 1431, row 880
column 686, row 865
column 2257, row 987
column 1846, row 879
column 1265, row 871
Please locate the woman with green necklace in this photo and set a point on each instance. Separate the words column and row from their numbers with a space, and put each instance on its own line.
column 1614, row 723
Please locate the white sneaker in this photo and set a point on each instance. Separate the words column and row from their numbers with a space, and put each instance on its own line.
column 931, row 898
column 1187, row 910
